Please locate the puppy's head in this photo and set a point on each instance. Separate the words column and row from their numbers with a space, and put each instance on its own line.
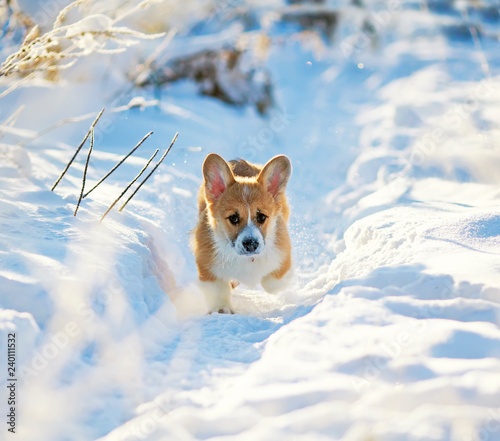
column 243, row 210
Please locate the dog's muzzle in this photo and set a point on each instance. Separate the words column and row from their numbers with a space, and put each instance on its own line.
column 251, row 245
column 249, row 242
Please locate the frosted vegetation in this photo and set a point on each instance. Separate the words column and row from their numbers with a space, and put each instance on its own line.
column 389, row 112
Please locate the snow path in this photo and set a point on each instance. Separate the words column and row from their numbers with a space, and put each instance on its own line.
column 390, row 330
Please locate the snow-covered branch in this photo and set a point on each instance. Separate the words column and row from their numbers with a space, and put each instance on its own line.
column 95, row 33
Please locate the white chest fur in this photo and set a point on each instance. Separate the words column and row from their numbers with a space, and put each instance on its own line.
column 246, row 269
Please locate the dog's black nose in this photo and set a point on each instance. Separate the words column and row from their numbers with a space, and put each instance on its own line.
column 250, row 245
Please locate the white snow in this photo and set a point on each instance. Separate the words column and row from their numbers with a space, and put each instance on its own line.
column 390, row 329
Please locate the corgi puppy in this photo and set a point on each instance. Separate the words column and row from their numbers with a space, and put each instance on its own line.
column 242, row 235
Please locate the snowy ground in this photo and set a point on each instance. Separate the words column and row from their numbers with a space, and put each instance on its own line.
column 390, row 329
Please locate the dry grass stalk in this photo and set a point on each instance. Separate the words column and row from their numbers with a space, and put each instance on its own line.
column 129, row 185
column 63, row 122
column 118, row 164
column 11, row 120
column 151, row 172
column 135, row 9
column 16, row 85
column 78, row 149
column 85, row 169
column 62, row 14
column 44, row 52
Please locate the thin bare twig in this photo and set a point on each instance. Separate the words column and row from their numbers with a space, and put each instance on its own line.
column 78, row 149
column 143, row 4
column 151, row 172
column 16, row 85
column 142, row 69
column 130, row 185
column 62, row 14
column 36, row 135
column 85, row 169
column 11, row 120
column 118, row 164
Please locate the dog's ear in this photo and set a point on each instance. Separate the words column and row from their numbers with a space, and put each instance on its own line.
column 275, row 174
column 218, row 176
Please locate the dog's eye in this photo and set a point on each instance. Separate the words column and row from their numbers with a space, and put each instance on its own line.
column 261, row 218
column 234, row 219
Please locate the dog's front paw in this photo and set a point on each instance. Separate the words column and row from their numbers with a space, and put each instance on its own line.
column 221, row 311
column 218, row 296
column 273, row 285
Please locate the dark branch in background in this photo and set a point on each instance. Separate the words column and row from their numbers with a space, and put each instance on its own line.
column 118, row 164
column 78, row 149
column 129, row 185
column 152, row 171
column 85, row 169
